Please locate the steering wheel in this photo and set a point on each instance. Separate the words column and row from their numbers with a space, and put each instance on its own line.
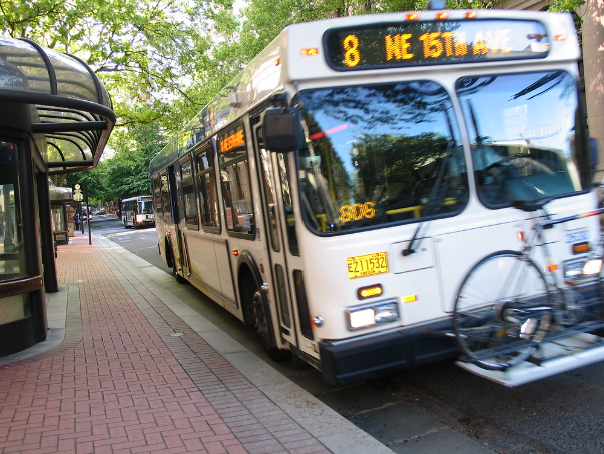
column 508, row 159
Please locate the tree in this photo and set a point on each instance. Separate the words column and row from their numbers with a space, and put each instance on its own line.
column 126, row 173
column 151, row 55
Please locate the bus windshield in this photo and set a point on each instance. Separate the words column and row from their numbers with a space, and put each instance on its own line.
column 379, row 154
column 145, row 207
column 522, row 136
column 391, row 153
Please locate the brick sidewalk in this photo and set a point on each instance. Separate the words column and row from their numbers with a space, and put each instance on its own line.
column 132, row 377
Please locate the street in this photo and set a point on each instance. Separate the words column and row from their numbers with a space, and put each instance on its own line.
column 563, row 414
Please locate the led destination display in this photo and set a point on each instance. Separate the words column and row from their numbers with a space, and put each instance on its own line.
column 426, row 43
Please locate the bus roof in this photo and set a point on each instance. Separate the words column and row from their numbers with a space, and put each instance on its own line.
column 138, row 198
column 301, row 53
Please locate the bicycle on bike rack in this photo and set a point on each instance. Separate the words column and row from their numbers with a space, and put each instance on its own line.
column 507, row 307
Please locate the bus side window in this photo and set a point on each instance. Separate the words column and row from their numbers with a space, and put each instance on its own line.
column 188, row 193
column 235, row 181
column 156, row 195
column 165, row 197
column 237, row 197
column 206, row 183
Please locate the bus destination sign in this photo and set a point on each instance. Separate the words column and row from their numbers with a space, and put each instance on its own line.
column 232, row 141
column 437, row 42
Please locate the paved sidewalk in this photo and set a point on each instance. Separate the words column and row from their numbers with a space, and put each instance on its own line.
column 122, row 372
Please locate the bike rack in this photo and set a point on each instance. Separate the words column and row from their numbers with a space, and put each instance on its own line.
column 551, row 358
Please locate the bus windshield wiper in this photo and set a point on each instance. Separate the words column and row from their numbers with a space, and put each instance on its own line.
column 434, row 196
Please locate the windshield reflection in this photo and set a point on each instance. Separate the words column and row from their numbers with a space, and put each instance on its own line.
column 522, row 128
column 382, row 154
column 379, row 154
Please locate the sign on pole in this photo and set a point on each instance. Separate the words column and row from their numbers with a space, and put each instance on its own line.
column 80, row 194
column 77, row 192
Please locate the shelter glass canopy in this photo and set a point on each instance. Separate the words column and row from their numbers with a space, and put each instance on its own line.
column 72, row 109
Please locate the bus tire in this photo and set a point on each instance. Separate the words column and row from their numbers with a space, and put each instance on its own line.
column 172, row 264
column 180, row 279
column 262, row 324
column 168, row 252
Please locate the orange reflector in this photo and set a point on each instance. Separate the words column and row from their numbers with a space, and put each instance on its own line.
column 412, row 16
column 589, row 213
column 552, row 267
column 235, row 252
column 409, row 298
column 520, row 236
column 560, row 37
column 309, row 52
column 441, row 15
column 369, row 292
column 578, row 248
column 471, row 15
column 277, row 62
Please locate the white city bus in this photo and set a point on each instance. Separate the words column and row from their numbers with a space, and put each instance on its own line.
column 336, row 194
column 138, row 211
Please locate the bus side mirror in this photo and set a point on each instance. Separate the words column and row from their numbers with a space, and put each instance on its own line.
column 281, row 129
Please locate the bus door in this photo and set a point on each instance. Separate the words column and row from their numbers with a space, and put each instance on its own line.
column 276, row 246
column 187, row 209
column 175, row 242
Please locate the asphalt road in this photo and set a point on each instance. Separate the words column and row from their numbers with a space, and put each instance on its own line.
column 562, row 414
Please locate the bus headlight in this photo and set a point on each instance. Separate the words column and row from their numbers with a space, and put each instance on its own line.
column 592, row 267
column 582, row 270
column 372, row 314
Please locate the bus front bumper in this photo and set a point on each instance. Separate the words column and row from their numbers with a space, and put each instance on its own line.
column 374, row 355
column 352, row 360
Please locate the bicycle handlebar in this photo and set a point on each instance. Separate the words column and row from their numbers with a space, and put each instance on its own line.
column 587, row 214
column 538, row 204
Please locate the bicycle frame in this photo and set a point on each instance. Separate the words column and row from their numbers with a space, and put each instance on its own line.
column 592, row 265
column 527, row 307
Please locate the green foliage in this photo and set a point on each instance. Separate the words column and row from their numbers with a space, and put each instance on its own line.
column 566, row 6
column 152, row 55
column 569, row 6
column 147, row 52
column 126, row 173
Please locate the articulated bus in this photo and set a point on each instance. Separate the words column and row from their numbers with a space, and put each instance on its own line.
column 337, row 193
column 138, row 211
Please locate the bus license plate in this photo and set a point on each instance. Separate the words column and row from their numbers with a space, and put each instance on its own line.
column 367, row 265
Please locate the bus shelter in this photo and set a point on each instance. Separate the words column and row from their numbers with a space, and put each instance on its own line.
column 63, row 211
column 55, row 118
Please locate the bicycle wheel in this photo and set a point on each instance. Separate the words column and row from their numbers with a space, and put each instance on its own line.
column 502, row 311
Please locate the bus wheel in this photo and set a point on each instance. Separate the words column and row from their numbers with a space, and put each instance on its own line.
column 262, row 328
column 178, row 277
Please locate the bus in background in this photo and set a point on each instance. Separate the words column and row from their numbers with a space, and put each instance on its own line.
column 138, row 211
column 116, row 208
column 338, row 192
